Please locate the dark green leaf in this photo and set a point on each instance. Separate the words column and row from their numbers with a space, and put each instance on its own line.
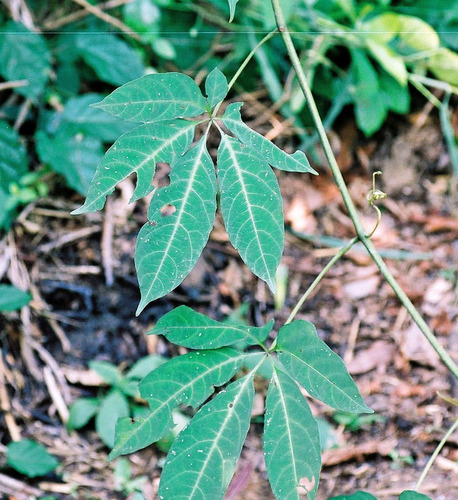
column 291, row 441
column 24, row 56
column 395, row 96
column 154, row 98
column 112, row 59
column 91, row 121
column 317, row 368
column 74, row 156
column 188, row 328
column 216, row 87
column 359, row 495
column 11, row 298
column 81, row 411
column 112, row 407
column 30, row 458
column 188, row 379
column 137, row 152
column 108, row 371
column 180, row 220
column 413, row 495
column 274, row 156
column 203, row 457
column 251, row 205
column 13, row 158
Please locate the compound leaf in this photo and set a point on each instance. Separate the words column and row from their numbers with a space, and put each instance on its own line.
column 13, row 160
column 191, row 329
column 189, row 379
column 24, row 56
column 291, row 440
column 180, row 220
column 232, row 4
column 138, row 151
column 317, row 368
column 154, row 98
column 251, row 205
column 215, row 87
column 274, row 156
column 203, row 457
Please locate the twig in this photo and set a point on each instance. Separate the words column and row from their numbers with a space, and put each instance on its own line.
column 55, row 394
column 17, row 489
column 68, row 238
column 359, row 228
column 80, row 14
column 109, row 19
column 13, row 84
column 107, row 242
column 22, row 115
column 13, row 429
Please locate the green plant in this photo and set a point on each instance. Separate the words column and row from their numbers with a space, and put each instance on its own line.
column 30, row 458
column 201, row 461
column 11, row 298
column 124, row 481
column 121, row 400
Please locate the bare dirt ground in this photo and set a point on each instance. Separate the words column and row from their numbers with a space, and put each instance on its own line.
column 81, row 274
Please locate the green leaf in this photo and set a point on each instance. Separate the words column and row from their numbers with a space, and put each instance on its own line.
column 156, row 97
column 81, row 411
column 112, row 59
column 359, row 495
column 413, row 495
column 91, row 121
column 251, row 205
column 417, row 34
column 188, row 379
column 108, row 371
column 389, row 60
column 444, row 65
column 185, row 327
column 203, row 457
column 145, row 365
column 317, row 368
column 138, row 151
column 232, row 4
column 30, row 458
column 369, row 108
column 112, row 407
column 291, row 441
column 13, row 159
column 11, row 298
column 24, row 56
column 70, row 154
column 395, row 96
column 216, row 87
column 170, row 244
column 274, row 156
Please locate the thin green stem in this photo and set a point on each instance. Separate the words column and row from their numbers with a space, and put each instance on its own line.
column 244, row 64
column 359, row 228
column 435, row 453
column 316, row 281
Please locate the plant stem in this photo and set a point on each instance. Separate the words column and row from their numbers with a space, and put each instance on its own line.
column 366, row 241
column 312, row 287
column 435, row 453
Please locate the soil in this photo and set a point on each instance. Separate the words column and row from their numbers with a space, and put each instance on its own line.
column 81, row 274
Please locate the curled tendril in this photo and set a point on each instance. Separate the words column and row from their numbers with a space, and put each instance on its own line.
column 372, row 196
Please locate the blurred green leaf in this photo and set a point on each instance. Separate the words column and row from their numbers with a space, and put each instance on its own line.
column 30, row 458
column 444, row 65
column 143, row 366
column 359, row 495
column 112, row 407
column 24, row 55
column 413, row 495
column 11, row 298
column 81, row 411
column 13, row 158
column 108, row 371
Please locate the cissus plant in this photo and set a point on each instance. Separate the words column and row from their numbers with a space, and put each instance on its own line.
column 202, row 460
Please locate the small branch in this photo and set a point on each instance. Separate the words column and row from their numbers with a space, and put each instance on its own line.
column 109, row 19
column 435, row 453
column 13, row 85
column 359, row 228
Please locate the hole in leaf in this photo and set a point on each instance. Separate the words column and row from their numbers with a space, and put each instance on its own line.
column 161, row 177
column 168, row 210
